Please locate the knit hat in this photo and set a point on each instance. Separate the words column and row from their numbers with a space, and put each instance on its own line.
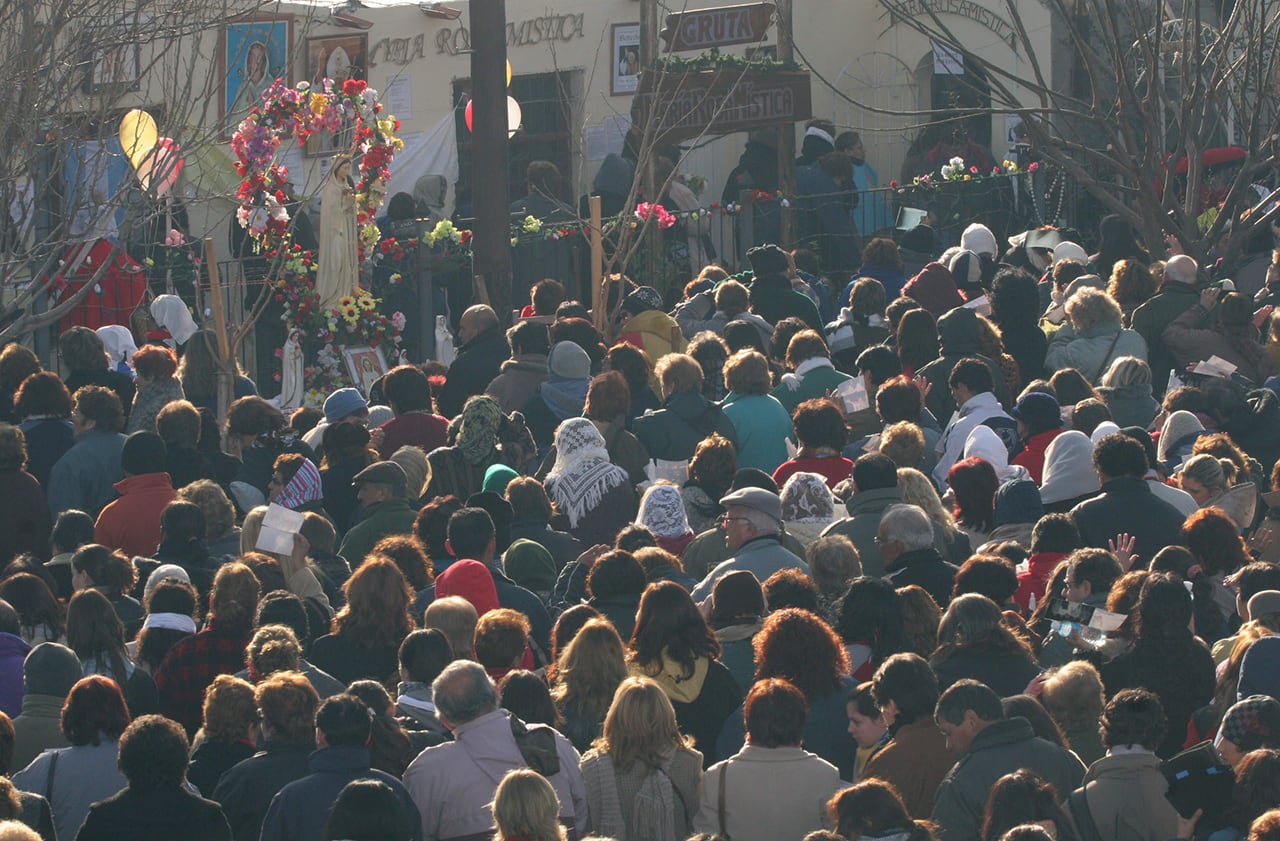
column 343, row 402
column 304, row 487
column 1039, row 411
column 530, row 565
column 767, row 259
column 1017, row 501
column 1069, row 251
column 756, row 499
column 979, row 239
column 378, row 415
column 737, row 594
column 1251, row 724
column 1260, row 669
column 161, row 573
column 1102, row 430
column 143, row 452
column 662, row 512
column 568, row 361
column 966, row 269
column 50, row 669
column 472, row 581
column 413, row 461
column 643, row 299
column 807, row 499
column 497, row 477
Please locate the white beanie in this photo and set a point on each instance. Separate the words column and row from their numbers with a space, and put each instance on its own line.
column 979, row 239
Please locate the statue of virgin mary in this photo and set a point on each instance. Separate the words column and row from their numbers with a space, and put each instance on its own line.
column 338, row 271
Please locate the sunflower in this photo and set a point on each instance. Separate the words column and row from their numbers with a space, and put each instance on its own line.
column 366, row 303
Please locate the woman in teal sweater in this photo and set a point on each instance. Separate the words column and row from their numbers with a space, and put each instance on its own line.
column 763, row 425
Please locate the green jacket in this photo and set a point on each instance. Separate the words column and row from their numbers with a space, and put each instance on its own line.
column 395, row 516
column 1150, row 320
column 813, row 379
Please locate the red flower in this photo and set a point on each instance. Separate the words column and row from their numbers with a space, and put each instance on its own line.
column 354, row 87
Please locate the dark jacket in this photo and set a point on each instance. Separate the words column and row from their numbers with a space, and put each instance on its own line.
column 926, row 568
column 957, row 339
column 934, row 288
column 1150, row 321
column 477, row 363
column 563, row 547
column 1130, row 405
column 1027, row 344
column 121, row 384
column 301, row 809
column 1002, row 748
column 1006, row 673
column 245, row 791
column 348, row 660
column 85, row 477
column 339, row 494
column 1127, row 505
column 186, row 465
column 673, row 432
column 155, row 815
column 47, row 439
column 825, row 219
column 24, row 520
column 212, row 759
column 1182, row 676
column 773, row 299
column 863, row 523
column 1193, row 336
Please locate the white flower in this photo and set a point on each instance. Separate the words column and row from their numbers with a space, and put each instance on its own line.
column 303, row 85
column 258, row 218
column 369, row 96
column 948, row 170
column 957, row 162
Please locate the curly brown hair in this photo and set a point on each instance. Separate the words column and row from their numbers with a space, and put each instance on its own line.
column 155, row 362
column 800, row 648
column 409, row 553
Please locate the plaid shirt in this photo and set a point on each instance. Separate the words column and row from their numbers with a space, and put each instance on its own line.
column 191, row 665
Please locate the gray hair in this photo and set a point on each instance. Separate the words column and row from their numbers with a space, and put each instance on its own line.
column 1207, row 470
column 968, row 618
column 463, row 692
column 1127, row 370
column 908, row 525
column 760, row 521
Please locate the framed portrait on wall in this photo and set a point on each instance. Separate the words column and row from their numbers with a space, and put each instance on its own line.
column 114, row 55
column 255, row 52
column 366, row 366
column 625, row 58
column 336, row 57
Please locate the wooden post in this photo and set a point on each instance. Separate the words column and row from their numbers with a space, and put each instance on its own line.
column 225, row 367
column 597, row 264
column 648, row 64
column 492, row 244
column 787, row 131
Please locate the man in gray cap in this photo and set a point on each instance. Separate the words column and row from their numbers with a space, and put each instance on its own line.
column 381, row 488
column 48, row 674
column 752, row 522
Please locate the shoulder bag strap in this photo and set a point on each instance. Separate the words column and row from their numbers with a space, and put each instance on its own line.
column 1110, row 349
column 724, row 769
column 48, row 780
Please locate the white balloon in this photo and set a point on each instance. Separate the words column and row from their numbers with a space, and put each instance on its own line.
column 514, row 116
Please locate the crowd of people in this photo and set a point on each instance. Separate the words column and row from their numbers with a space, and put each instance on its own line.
column 981, row 551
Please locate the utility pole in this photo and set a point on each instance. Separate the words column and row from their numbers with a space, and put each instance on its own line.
column 649, row 66
column 491, row 245
column 787, row 131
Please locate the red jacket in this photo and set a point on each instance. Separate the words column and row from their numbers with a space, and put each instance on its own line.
column 416, row 429
column 132, row 522
column 1040, row 569
column 1032, row 455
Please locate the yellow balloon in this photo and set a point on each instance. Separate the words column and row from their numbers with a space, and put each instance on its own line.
column 138, row 135
column 508, row 73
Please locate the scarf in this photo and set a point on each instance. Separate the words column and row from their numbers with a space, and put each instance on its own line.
column 662, row 512
column 793, row 381
column 807, row 499
column 652, row 810
column 565, row 398
column 1068, row 468
column 170, row 622
column 478, row 430
column 304, row 487
column 582, row 474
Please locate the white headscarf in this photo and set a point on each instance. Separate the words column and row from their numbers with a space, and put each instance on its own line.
column 118, row 341
column 172, row 314
column 582, row 474
column 1102, row 430
column 1068, row 468
column 1177, row 426
column 807, row 499
column 662, row 511
column 983, row 443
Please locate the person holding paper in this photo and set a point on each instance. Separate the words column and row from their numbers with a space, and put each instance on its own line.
column 1233, row 337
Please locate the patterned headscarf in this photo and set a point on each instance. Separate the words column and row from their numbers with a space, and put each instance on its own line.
column 662, row 512
column 304, row 487
column 582, row 474
column 478, row 431
column 807, row 499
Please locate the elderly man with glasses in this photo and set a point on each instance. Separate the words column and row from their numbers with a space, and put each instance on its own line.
column 752, row 524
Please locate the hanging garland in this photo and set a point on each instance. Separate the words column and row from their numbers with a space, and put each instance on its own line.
column 300, row 112
column 713, row 59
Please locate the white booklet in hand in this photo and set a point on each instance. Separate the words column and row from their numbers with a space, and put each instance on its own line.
column 278, row 528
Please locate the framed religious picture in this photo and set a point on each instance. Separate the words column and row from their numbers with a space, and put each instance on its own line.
column 114, row 55
column 255, row 52
column 624, row 75
column 336, row 57
column 366, row 366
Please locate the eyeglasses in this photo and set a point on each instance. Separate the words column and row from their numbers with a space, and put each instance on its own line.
column 727, row 519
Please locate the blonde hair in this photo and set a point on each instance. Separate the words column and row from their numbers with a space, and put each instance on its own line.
column 677, row 372
column 590, row 668
column 1089, row 307
column 902, row 443
column 1073, row 695
column 917, row 489
column 456, row 618
column 640, row 725
column 526, row 806
column 1127, row 370
column 747, row 372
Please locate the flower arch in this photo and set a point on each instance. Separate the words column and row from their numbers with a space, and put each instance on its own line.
column 299, row 112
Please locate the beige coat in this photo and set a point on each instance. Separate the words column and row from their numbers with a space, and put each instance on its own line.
column 771, row 794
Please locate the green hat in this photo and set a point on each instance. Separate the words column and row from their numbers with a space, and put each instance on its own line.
column 530, row 565
column 497, row 477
